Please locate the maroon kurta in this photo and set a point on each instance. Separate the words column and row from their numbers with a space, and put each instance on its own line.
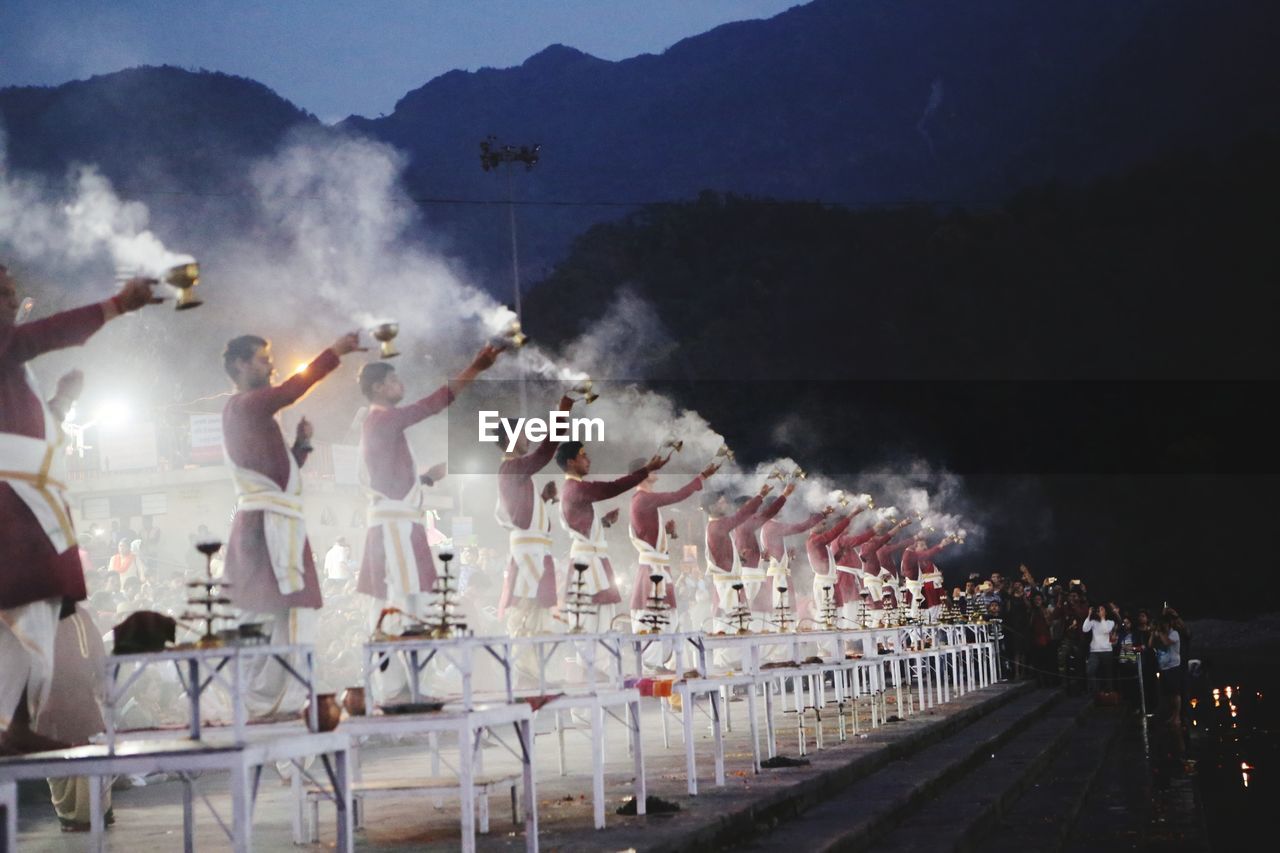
column 774, row 533
column 720, row 547
column 745, row 535
column 845, row 550
column 917, row 562
column 816, row 548
column 30, row 569
column 887, row 564
column 869, row 554
column 645, row 524
column 254, row 441
column 389, row 462
column 516, row 497
column 577, row 497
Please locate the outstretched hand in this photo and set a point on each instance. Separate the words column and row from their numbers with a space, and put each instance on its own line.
column 709, row 470
column 348, row 343
column 302, row 437
column 610, row 518
column 656, row 462
column 485, row 358
column 136, row 293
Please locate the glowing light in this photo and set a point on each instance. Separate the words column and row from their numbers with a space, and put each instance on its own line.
column 301, row 368
column 1194, row 702
column 114, row 413
column 1244, row 765
column 1228, row 692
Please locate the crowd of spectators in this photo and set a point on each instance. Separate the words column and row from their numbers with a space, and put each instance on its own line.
column 1057, row 634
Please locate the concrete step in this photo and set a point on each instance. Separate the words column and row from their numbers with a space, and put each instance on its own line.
column 853, row 818
column 1043, row 817
column 723, row 818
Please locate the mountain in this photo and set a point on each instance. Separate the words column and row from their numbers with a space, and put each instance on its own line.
column 864, row 102
column 860, row 102
column 179, row 140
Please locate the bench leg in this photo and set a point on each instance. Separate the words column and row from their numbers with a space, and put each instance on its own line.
column 97, row 820
column 690, row 762
column 714, row 695
column 597, row 764
column 637, row 752
column 482, row 811
column 241, row 810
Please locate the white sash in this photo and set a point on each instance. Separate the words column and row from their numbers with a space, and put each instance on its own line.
column 873, row 584
column 934, row 578
column 33, row 469
column 732, row 575
column 916, row 588
column 396, row 518
column 283, row 524
column 656, row 557
column 528, row 547
column 779, row 568
column 590, row 549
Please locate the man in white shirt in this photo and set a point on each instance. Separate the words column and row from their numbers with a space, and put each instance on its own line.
column 337, row 566
column 1099, row 629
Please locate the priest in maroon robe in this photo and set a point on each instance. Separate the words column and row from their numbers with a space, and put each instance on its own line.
column 773, row 536
column 746, row 539
column 818, row 548
column 268, row 563
column 397, row 568
column 724, row 563
column 40, row 572
column 650, row 534
column 585, row 526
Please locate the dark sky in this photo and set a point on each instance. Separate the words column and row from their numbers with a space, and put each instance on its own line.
column 338, row 58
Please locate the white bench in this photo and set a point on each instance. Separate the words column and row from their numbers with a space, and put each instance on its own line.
column 482, row 787
column 242, row 761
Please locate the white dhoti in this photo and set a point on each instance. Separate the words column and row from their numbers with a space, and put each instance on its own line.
column 779, row 574
column 728, row 600
column 654, row 560
column 31, row 467
column 26, row 656
column 270, row 689
column 915, row 587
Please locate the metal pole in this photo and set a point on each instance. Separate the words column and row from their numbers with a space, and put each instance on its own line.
column 1142, row 693
column 515, row 250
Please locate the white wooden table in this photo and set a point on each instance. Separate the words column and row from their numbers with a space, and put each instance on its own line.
column 469, row 725
column 198, row 670
column 601, row 695
column 187, row 759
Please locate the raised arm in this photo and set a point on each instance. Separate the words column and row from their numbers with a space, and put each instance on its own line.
column 440, row 399
column 827, row 537
column 535, row 460
column 273, row 398
column 602, row 490
column 801, row 526
column 666, row 498
column 72, row 328
column 774, row 508
column 743, row 512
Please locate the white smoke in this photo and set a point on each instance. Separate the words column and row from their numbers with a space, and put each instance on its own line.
column 77, row 224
